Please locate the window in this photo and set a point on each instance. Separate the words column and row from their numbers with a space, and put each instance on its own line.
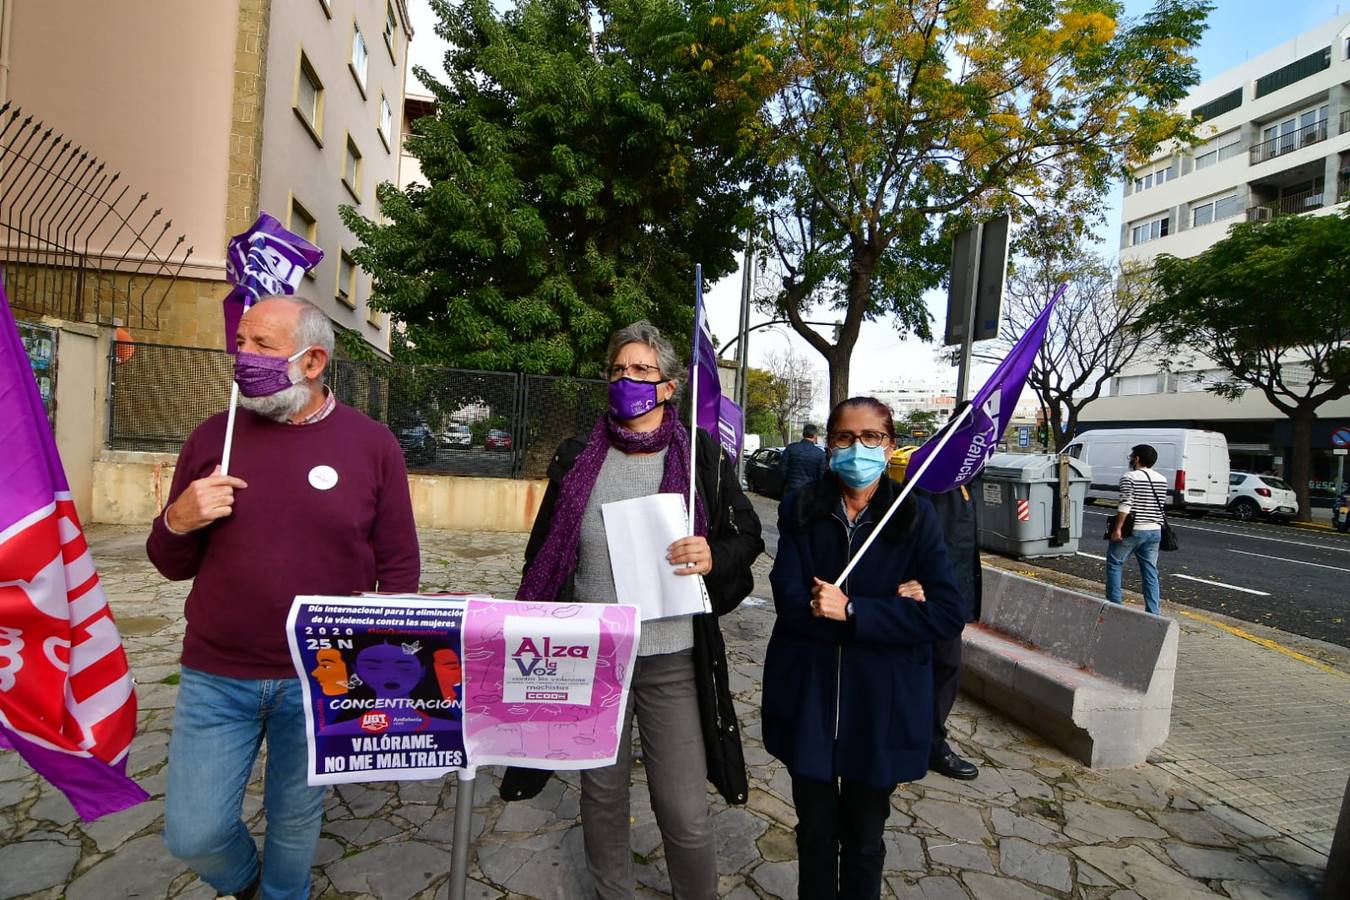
column 1199, row 380
column 1215, row 210
column 1228, row 102
column 1149, row 231
column 390, row 28
column 346, row 280
column 351, row 169
column 360, row 61
column 1295, row 71
column 386, row 122
column 309, row 99
column 1205, row 160
column 1136, row 385
column 300, row 221
column 1231, row 149
column 1154, row 178
column 1236, row 478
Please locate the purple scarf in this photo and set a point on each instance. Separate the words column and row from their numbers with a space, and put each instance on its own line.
column 557, row 559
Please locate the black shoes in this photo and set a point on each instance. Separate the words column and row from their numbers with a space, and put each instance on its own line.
column 953, row 766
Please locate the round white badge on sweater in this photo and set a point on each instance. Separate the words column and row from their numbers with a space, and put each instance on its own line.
column 322, row 477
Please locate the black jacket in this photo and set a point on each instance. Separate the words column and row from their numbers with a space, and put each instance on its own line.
column 801, row 463
column 959, row 513
column 734, row 538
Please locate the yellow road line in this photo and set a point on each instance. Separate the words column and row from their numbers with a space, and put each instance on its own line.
column 1264, row 642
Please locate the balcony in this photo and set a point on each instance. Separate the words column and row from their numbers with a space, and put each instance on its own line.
column 1345, row 121
column 1289, row 205
column 1291, row 141
column 1343, row 189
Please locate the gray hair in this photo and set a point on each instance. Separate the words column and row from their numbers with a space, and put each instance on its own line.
column 314, row 329
column 645, row 332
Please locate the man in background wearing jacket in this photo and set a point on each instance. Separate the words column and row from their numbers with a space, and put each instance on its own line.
column 802, row 462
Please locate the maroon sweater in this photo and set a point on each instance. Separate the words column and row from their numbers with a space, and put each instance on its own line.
column 286, row 536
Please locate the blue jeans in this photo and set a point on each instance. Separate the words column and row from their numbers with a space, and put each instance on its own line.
column 218, row 728
column 1144, row 546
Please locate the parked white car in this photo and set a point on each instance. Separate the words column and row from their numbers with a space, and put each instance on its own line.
column 1251, row 495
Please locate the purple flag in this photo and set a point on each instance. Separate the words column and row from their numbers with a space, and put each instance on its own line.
column 67, row 702
column 716, row 414
column 264, row 261
column 977, row 435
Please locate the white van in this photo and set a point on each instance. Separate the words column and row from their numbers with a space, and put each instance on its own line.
column 1194, row 462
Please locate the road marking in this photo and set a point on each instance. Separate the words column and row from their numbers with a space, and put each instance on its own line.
column 1287, row 559
column 1231, row 587
column 1089, row 555
column 1264, row 642
column 1254, row 537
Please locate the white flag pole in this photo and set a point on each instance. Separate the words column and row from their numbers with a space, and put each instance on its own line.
column 229, row 428
column 911, row 479
column 693, row 392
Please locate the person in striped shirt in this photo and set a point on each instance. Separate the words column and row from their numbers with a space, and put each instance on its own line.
column 1142, row 495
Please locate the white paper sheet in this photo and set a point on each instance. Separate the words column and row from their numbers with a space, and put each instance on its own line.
column 639, row 532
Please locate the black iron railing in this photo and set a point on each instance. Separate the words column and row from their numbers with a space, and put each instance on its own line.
column 1289, row 142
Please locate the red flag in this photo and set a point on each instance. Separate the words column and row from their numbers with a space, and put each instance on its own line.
column 67, row 701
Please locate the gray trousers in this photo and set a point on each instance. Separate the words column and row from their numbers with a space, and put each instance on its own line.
column 665, row 698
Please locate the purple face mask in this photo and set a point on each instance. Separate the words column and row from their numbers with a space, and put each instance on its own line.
column 259, row 375
column 629, row 398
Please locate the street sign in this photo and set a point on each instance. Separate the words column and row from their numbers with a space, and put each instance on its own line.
column 1340, row 452
column 1340, row 436
column 992, row 262
column 1024, row 435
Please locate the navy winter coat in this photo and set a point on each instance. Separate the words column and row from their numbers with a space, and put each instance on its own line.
column 802, row 462
column 855, row 700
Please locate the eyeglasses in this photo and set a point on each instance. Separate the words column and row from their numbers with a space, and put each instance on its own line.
column 842, row 440
column 640, row 371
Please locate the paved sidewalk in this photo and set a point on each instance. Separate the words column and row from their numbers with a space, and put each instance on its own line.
column 1035, row 824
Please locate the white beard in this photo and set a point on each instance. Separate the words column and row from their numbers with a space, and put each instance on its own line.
column 283, row 405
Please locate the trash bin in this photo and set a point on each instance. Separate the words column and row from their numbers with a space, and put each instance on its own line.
column 1025, row 509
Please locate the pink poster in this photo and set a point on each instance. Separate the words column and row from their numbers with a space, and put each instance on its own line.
column 546, row 684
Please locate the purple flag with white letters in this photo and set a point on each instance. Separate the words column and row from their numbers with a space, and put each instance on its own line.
column 978, row 434
column 716, row 414
column 264, row 261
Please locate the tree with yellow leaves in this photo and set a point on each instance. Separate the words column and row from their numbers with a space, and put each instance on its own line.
column 897, row 121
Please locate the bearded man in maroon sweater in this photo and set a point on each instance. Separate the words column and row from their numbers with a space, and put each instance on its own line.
column 316, row 502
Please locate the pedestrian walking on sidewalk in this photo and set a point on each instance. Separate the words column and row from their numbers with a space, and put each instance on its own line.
column 1136, row 529
column 679, row 691
column 316, row 502
column 802, row 462
column 848, row 680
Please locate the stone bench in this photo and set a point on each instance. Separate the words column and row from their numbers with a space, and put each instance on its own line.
column 1093, row 678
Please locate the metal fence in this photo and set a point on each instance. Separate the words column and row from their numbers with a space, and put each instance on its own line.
column 447, row 421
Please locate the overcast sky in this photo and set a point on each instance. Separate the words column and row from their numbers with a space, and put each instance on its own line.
column 1238, row 29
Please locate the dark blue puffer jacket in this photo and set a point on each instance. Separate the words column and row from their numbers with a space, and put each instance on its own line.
column 801, row 463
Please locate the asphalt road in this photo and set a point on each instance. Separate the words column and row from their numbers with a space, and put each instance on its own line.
column 1290, row 578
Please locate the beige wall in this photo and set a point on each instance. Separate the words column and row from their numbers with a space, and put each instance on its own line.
column 145, row 85
column 295, row 166
column 130, row 489
column 81, row 394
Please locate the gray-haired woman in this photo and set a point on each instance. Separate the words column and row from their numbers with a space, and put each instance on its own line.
column 679, row 691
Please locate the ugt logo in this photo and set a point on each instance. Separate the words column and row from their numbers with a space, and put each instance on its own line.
column 375, row 722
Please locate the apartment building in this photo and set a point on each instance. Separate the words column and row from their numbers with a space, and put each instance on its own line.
column 216, row 111
column 1276, row 142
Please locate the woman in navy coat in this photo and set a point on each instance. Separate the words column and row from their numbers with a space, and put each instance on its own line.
column 848, row 684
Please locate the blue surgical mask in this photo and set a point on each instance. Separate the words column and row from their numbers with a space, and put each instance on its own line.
column 859, row 466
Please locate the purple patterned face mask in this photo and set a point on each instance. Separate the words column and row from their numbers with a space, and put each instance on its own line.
column 260, row 375
column 630, row 398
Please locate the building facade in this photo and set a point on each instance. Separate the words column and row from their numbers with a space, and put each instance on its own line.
column 216, row 111
column 1275, row 142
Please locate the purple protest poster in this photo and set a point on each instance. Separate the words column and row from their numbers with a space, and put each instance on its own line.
column 382, row 683
column 546, row 684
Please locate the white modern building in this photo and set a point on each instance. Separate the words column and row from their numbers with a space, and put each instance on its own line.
column 1276, row 142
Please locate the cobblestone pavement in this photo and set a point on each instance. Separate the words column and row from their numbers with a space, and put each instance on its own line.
column 1035, row 824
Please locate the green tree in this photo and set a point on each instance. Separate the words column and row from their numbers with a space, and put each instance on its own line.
column 1270, row 305
column 580, row 162
column 760, row 389
column 897, row 121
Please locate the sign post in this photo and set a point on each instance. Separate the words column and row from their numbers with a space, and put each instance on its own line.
column 975, row 290
column 1340, row 439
